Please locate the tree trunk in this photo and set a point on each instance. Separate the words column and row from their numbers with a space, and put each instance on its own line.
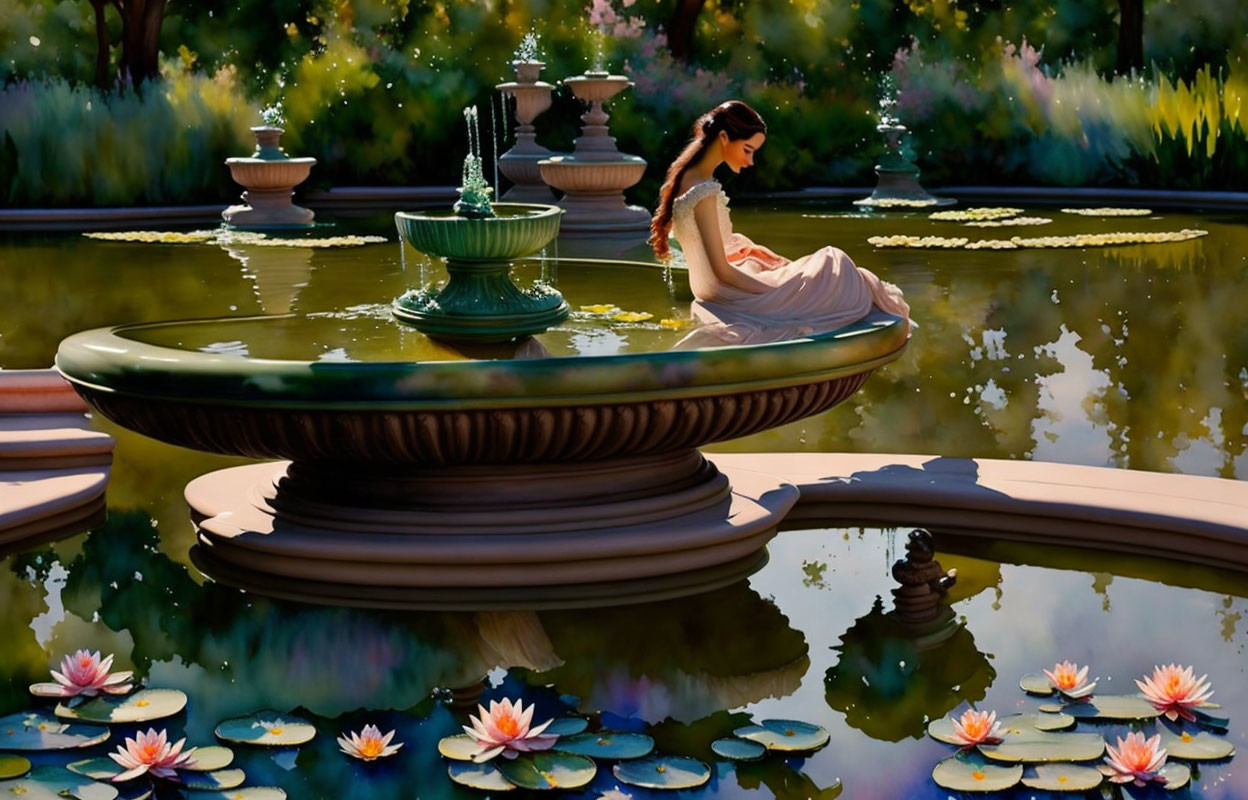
column 140, row 38
column 680, row 30
column 1130, row 35
column 101, row 44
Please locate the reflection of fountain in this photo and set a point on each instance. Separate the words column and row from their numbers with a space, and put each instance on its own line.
column 278, row 273
column 900, row 669
column 479, row 302
column 270, row 176
column 520, row 163
column 594, row 177
column 898, row 176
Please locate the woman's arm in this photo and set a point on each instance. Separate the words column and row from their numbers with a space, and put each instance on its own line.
column 706, row 215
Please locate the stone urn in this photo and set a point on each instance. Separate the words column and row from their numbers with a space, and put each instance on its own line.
column 594, row 177
column 520, row 163
column 269, row 176
column 897, row 176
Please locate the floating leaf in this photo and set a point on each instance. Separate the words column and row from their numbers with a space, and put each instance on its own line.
column 548, row 770
column 210, row 759
column 485, row 777
column 1208, row 720
column 1176, row 775
column 13, row 766
column 675, row 324
column 566, row 726
column 785, row 735
column 1039, row 746
column 248, row 793
column 611, row 745
column 663, row 772
column 600, row 308
column 38, row 730
column 267, row 728
column 460, row 747
column 1201, row 746
column 738, row 749
column 54, row 783
column 100, row 769
column 142, row 706
column 1039, row 722
column 213, row 781
column 1035, row 684
column 1112, row 706
column 632, row 316
column 1063, row 778
column 1050, row 708
column 968, row 773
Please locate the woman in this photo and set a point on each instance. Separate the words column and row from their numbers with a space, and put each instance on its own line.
column 745, row 292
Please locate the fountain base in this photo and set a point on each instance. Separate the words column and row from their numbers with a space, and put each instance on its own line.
column 899, row 186
column 488, row 527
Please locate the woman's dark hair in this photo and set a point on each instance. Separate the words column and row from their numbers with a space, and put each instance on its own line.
column 736, row 119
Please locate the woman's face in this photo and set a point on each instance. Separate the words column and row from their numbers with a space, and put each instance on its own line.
column 739, row 153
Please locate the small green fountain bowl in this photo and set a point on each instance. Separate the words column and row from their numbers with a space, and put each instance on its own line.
column 517, row 230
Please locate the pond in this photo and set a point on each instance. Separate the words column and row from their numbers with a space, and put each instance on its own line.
column 1129, row 356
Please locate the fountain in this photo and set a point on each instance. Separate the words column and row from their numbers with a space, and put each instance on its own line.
column 479, row 241
column 532, row 96
column 898, row 176
column 269, row 176
column 594, row 177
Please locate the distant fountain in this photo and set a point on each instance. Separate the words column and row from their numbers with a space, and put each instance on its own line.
column 594, row 177
column 270, row 177
column 897, row 183
column 479, row 241
column 533, row 97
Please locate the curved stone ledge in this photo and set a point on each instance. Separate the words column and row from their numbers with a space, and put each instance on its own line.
column 1183, row 517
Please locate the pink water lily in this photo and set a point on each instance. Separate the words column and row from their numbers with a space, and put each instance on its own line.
column 977, row 727
column 504, row 730
column 1175, row 691
column 1136, row 759
column 150, row 753
column 1070, row 680
column 84, row 673
column 369, row 744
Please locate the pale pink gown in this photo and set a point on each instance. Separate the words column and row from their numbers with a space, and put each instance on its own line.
column 816, row 293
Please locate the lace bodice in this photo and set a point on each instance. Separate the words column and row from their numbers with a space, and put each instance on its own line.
column 685, row 229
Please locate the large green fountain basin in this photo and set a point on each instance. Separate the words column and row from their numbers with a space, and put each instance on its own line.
column 518, row 230
column 462, row 412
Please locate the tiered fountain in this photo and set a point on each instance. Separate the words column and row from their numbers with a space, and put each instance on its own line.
column 532, row 96
column 594, row 177
column 479, row 240
column 270, row 177
column 897, row 175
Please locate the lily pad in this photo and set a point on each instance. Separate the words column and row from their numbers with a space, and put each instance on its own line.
column 210, row 759
column 1032, row 747
column 485, row 777
column 213, row 781
column 971, row 774
column 785, row 735
column 54, row 783
column 1176, row 775
column 248, row 793
column 99, row 769
column 1112, row 707
column 38, row 730
column 13, row 767
column 459, row 747
column 1063, row 778
column 268, row 729
column 1209, row 720
column 663, row 772
column 738, row 749
column 142, row 706
column 1039, row 722
column 566, row 726
column 1050, row 708
column 548, row 771
column 612, row 745
column 1201, row 746
column 1035, row 684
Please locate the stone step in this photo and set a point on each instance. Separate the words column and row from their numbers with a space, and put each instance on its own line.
column 40, row 391
column 27, row 436
column 32, row 502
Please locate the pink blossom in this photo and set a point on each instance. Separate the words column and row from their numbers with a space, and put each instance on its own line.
column 84, row 673
column 151, row 753
column 505, row 730
column 1136, row 759
column 1175, row 691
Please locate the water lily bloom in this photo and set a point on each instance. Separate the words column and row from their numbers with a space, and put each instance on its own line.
column 504, row 729
column 1070, row 680
column 152, row 754
column 84, row 673
column 1175, row 691
column 1136, row 759
column 977, row 727
column 369, row 744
